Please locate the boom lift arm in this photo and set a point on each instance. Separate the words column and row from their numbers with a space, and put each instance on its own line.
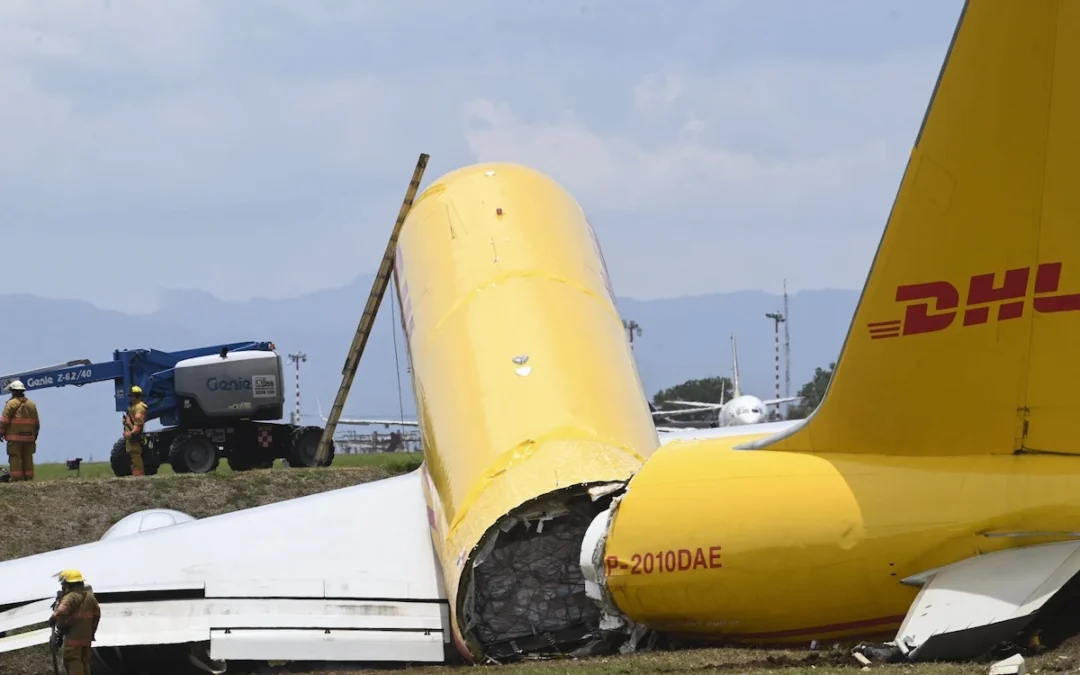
column 151, row 369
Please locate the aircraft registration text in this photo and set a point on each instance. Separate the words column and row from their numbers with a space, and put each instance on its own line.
column 667, row 561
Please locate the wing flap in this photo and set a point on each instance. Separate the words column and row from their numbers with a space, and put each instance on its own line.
column 329, row 645
column 32, row 638
column 183, row 621
column 26, row 615
column 300, row 571
column 965, row 608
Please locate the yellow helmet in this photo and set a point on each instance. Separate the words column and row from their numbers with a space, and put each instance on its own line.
column 71, row 576
column 136, row 389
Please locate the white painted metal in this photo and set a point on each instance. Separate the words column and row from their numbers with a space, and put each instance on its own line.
column 671, row 434
column 26, row 615
column 988, row 589
column 144, row 521
column 23, row 640
column 304, row 563
column 375, row 531
column 180, row 621
column 318, row 645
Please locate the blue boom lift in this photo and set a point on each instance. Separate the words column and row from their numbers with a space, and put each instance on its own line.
column 213, row 402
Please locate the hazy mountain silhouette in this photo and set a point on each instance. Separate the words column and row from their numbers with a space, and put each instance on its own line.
column 681, row 338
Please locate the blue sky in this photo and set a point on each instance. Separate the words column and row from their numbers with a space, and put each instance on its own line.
column 262, row 147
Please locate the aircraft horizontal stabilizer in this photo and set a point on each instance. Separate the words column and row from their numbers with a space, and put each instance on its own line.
column 967, row 608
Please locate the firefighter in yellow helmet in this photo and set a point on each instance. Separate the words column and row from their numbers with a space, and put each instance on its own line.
column 19, row 426
column 134, row 420
column 76, row 617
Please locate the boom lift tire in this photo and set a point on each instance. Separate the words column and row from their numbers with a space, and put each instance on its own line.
column 121, row 463
column 194, row 452
column 305, row 448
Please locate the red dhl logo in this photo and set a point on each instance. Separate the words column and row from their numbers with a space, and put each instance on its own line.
column 1010, row 298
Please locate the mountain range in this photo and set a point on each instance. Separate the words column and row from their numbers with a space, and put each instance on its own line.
column 682, row 338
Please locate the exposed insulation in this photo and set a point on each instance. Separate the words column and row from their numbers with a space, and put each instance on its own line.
column 526, row 593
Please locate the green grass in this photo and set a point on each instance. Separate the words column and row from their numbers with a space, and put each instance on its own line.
column 393, row 462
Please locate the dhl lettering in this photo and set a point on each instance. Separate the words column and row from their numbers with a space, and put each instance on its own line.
column 937, row 303
column 667, row 561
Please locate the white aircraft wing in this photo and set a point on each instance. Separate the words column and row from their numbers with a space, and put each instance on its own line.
column 777, row 401
column 681, row 411
column 407, row 423
column 699, row 404
column 966, row 608
column 319, row 576
column 367, row 422
column 669, row 435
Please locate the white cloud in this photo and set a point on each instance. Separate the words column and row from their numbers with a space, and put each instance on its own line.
column 689, row 143
column 180, row 120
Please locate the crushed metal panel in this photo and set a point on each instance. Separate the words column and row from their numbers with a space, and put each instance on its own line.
column 965, row 607
column 327, row 645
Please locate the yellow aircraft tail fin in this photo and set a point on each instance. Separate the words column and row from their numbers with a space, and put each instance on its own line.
column 966, row 339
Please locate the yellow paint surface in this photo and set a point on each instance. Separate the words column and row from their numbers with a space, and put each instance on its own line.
column 523, row 374
column 779, row 547
column 987, row 205
column 908, row 461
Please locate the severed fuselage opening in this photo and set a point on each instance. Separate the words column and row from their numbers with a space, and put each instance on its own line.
column 525, row 591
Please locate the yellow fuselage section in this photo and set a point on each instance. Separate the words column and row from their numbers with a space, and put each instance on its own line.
column 779, row 547
column 524, row 380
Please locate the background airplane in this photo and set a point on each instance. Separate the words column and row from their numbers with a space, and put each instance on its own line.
column 741, row 409
column 368, row 422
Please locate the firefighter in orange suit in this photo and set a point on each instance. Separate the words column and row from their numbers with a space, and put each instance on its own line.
column 133, row 430
column 19, row 426
column 77, row 617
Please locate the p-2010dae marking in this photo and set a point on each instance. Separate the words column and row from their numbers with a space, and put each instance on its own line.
column 1010, row 296
column 668, row 561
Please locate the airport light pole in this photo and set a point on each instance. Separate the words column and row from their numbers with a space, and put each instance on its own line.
column 777, row 318
column 297, row 358
column 632, row 327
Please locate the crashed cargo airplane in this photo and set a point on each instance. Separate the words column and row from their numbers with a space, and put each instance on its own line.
column 930, row 500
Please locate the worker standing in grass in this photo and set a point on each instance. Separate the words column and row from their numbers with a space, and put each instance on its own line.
column 19, row 426
column 134, row 420
column 76, row 618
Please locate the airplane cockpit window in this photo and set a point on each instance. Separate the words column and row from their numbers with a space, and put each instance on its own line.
column 757, row 410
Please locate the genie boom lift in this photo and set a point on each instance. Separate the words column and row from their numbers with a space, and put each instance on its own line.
column 213, row 402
